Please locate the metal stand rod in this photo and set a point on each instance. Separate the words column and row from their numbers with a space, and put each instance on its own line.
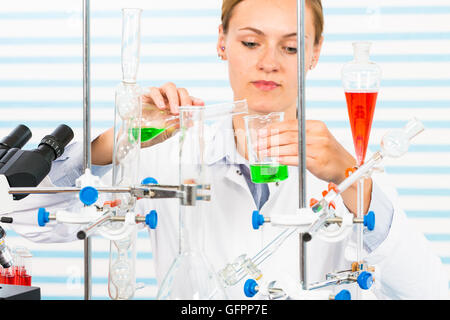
column 301, row 128
column 86, row 135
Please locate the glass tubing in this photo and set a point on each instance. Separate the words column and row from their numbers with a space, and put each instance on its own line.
column 394, row 144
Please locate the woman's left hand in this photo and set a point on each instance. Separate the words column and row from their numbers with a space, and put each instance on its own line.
column 326, row 158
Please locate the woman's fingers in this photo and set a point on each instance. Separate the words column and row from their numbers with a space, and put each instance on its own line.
column 280, row 151
column 170, row 97
column 288, row 137
column 154, row 96
column 197, row 101
column 170, row 91
column 185, row 99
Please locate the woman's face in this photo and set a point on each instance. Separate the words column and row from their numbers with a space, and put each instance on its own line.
column 260, row 47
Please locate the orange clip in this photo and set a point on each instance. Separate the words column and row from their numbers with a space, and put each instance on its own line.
column 332, row 205
column 349, row 171
column 313, row 202
column 332, row 186
column 112, row 204
column 324, row 193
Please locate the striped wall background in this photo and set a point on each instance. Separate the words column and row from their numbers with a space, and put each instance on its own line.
column 41, row 86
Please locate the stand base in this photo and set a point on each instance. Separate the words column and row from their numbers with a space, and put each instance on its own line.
column 14, row 292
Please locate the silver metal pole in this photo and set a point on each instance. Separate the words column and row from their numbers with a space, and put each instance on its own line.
column 301, row 133
column 86, row 135
column 301, row 104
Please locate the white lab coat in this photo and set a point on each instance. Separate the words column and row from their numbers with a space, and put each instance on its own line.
column 406, row 267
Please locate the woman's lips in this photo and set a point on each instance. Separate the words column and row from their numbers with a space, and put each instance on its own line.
column 265, row 85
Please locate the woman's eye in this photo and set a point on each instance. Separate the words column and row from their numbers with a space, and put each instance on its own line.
column 290, row 50
column 249, row 44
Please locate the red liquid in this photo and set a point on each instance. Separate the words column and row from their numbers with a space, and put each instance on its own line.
column 16, row 271
column 361, row 107
column 9, row 277
column 25, row 280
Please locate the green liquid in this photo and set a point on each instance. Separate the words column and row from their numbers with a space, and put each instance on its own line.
column 147, row 133
column 264, row 173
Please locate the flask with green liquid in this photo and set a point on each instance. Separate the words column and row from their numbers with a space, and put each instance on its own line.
column 154, row 123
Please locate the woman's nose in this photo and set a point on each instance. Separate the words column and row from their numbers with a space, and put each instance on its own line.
column 268, row 61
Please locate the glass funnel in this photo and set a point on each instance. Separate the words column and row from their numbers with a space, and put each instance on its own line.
column 191, row 276
column 361, row 80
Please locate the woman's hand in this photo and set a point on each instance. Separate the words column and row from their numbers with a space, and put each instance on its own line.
column 325, row 157
column 167, row 97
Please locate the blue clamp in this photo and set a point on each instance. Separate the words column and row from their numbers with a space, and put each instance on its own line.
column 149, row 180
column 151, row 219
column 257, row 219
column 43, row 217
column 250, row 288
column 88, row 195
column 365, row 280
column 343, row 295
column 369, row 220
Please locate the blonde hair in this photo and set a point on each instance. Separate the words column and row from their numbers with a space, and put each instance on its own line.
column 315, row 5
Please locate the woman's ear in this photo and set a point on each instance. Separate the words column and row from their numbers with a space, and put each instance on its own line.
column 221, row 44
column 316, row 53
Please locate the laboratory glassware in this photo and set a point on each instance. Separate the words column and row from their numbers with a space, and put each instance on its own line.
column 394, row 144
column 127, row 143
column 263, row 169
column 191, row 275
column 159, row 124
column 361, row 81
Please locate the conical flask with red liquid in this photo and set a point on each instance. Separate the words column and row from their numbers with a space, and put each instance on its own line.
column 361, row 80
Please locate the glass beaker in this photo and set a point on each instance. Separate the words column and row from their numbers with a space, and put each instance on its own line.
column 191, row 276
column 263, row 169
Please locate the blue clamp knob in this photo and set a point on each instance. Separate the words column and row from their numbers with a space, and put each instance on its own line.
column 149, row 180
column 250, row 288
column 257, row 219
column 88, row 195
column 365, row 280
column 43, row 217
column 151, row 219
column 343, row 295
column 369, row 220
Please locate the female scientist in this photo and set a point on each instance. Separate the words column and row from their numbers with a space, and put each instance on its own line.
column 258, row 39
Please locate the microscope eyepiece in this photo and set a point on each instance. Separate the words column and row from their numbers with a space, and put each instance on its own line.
column 57, row 140
column 17, row 138
column 27, row 168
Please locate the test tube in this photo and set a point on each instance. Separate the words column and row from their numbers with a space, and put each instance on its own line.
column 26, row 271
column 9, row 276
column 22, row 267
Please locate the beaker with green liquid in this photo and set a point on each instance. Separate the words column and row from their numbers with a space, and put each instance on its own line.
column 263, row 169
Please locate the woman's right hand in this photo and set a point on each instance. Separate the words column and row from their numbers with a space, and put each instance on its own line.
column 166, row 98
column 169, row 97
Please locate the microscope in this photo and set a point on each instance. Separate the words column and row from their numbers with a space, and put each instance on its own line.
column 26, row 168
